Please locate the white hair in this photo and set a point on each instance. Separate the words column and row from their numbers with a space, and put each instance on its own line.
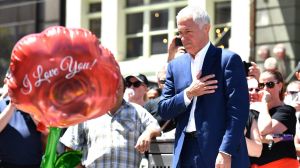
column 199, row 15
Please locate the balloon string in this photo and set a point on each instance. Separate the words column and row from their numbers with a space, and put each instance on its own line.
column 50, row 155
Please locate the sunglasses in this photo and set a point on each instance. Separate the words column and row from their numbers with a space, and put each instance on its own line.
column 134, row 84
column 269, row 85
column 292, row 92
column 255, row 89
column 162, row 81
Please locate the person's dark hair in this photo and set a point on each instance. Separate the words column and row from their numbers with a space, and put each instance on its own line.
column 278, row 76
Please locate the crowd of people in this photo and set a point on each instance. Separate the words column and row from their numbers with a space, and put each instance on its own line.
column 221, row 116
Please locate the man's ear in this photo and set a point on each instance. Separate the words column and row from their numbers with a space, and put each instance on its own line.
column 206, row 27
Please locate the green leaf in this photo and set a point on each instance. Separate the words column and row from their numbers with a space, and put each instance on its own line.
column 68, row 159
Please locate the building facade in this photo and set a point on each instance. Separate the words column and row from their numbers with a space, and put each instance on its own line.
column 22, row 17
column 138, row 31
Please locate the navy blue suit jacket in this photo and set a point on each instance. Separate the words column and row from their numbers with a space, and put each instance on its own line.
column 220, row 117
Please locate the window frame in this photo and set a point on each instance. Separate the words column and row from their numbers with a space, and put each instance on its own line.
column 146, row 34
column 89, row 16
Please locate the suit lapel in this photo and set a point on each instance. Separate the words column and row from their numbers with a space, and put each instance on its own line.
column 186, row 69
column 207, row 68
column 209, row 60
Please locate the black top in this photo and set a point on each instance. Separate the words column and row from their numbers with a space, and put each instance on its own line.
column 283, row 149
column 20, row 142
column 253, row 115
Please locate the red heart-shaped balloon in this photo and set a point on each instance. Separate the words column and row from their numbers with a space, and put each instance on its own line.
column 63, row 76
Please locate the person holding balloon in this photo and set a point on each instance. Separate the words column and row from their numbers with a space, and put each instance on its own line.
column 116, row 139
column 21, row 144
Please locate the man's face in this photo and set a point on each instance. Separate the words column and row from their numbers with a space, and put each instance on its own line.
column 192, row 36
column 138, row 87
column 253, row 89
column 292, row 93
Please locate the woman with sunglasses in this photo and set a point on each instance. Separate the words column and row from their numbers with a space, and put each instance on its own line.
column 275, row 124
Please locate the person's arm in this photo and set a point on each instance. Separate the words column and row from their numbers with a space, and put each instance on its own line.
column 171, row 103
column 237, row 108
column 143, row 142
column 6, row 115
column 237, row 104
column 5, row 92
column 254, row 144
column 172, row 49
column 264, row 120
column 151, row 129
column 267, row 125
column 297, row 143
column 254, row 71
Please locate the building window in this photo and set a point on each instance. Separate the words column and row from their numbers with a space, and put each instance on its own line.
column 222, row 23
column 134, row 23
column 158, row 1
column 159, row 20
column 95, row 26
column 159, row 44
column 132, row 3
column 94, row 17
column 134, row 47
column 95, row 7
column 148, row 26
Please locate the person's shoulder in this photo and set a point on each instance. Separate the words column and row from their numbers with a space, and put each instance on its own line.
column 135, row 106
column 180, row 58
column 287, row 108
column 151, row 102
column 229, row 56
column 228, row 53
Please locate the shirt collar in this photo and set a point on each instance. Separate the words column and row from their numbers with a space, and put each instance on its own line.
column 203, row 51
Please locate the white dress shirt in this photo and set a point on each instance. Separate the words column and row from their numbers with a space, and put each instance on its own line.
column 196, row 67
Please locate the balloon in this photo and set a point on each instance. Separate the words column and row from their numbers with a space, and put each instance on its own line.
column 63, row 76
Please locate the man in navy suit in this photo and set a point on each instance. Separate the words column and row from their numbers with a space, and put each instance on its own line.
column 206, row 92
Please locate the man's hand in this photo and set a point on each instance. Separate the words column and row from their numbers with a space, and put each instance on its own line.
column 174, row 50
column 143, row 143
column 223, row 161
column 202, row 86
column 254, row 71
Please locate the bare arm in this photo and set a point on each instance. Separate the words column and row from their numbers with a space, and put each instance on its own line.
column 297, row 143
column 6, row 115
column 254, row 144
column 265, row 122
column 267, row 125
column 264, row 119
column 143, row 143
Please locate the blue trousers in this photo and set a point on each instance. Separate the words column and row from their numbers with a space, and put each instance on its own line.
column 190, row 156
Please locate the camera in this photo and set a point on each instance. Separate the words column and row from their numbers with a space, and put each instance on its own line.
column 247, row 65
column 178, row 41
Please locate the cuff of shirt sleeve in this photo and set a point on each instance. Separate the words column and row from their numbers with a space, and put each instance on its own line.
column 187, row 101
column 225, row 153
